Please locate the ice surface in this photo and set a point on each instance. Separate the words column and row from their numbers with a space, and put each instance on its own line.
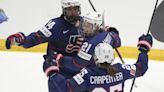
column 22, row 72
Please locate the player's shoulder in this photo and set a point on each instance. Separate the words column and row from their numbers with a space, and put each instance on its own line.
column 118, row 65
column 56, row 23
column 101, row 33
column 84, row 70
column 99, row 37
column 81, row 76
column 57, row 20
column 124, row 66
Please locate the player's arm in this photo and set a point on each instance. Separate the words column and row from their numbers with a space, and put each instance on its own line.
column 141, row 66
column 41, row 36
column 57, row 81
column 75, row 64
column 65, row 63
column 135, row 70
column 72, row 64
column 114, row 33
column 79, row 82
column 144, row 45
column 35, row 38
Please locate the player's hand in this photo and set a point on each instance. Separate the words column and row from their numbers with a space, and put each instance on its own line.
column 51, row 65
column 76, row 46
column 145, row 43
column 50, row 68
column 116, row 42
column 111, row 29
column 15, row 39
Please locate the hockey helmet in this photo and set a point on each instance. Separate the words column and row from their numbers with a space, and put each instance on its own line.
column 70, row 3
column 71, row 10
column 104, row 53
column 92, row 22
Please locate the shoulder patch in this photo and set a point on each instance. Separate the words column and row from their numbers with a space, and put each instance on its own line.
column 108, row 39
column 84, row 55
column 79, row 77
column 46, row 29
column 131, row 68
column 46, row 32
column 50, row 24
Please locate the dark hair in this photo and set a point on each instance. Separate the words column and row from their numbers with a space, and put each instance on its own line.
column 71, row 19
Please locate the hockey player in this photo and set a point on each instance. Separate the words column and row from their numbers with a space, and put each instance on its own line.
column 104, row 75
column 93, row 35
column 61, row 33
column 86, row 55
column 3, row 16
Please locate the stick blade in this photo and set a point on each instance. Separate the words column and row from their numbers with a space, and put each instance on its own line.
column 157, row 27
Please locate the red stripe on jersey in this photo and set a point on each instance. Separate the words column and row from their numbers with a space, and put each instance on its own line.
column 77, row 65
column 70, row 90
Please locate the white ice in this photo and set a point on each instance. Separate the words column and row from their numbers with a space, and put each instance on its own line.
column 22, row 72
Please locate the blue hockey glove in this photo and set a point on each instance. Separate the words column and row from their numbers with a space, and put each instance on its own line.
column 116, row 42
column 145, row 43
column 15, row 39
column 51, row 65
column 110, row 29
column 75, row 46
column 50, row 68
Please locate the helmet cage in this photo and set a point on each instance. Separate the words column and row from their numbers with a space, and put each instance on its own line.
column 72, row 18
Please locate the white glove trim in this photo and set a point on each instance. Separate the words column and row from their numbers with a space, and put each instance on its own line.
column 51, row 68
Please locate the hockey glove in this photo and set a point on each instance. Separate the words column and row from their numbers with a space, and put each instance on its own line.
column 145, row 43
column 116, row 42
column 110, row 29
column 15, row 39
column 75, row 46
column 51, row 65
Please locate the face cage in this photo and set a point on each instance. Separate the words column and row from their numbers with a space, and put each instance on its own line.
column 72, row 19
column 95, row 30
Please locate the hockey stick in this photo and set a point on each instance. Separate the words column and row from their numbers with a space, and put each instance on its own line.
column 103, row 25
column 147, row 33
column 92, row 6
column 120, row 56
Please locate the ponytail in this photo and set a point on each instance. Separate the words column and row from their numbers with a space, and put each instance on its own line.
column 110, row 69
